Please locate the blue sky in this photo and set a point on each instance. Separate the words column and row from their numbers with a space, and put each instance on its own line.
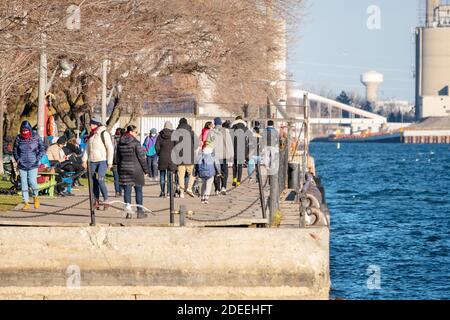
column 333, row 46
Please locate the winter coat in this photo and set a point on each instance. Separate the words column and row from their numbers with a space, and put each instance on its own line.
column 28, row 152
column 222, row 142
column 56, row 153
column 150, row 146
column 235, row 127
column 131, row 161
column 97, row 150
column 193, row 145
column 204, row 137
column 164, row 146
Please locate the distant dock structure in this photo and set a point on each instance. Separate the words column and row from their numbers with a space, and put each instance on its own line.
column 435, row 130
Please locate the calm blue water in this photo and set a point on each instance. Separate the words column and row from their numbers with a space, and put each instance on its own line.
column 390, row 209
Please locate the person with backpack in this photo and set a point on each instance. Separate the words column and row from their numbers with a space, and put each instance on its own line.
column 152, row 157
column 223, row 152
column 28, row 151
column 117, row 186
column 132, row 167
column 208, row 168
column 100, row 153
column 164, row 146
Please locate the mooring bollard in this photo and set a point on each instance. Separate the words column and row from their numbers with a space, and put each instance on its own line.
column 183, row 216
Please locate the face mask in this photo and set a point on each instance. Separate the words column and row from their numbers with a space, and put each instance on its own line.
column 153, row 134
column 26, row 134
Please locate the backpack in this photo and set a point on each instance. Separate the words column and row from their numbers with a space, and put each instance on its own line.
column 206, row 168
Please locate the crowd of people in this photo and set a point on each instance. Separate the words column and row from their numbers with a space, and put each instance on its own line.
column 180, row 152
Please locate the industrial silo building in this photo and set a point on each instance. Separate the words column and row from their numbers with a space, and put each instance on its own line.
column 433, row 62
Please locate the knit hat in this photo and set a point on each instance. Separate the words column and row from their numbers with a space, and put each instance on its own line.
column 168, row 125
column 26, row 126
column 217, row 121
column 183, row 121
column 153, row 131
column 96, row 122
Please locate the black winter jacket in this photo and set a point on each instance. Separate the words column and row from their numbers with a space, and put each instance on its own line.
column 190, row 158
column 131, row 161
column 164, row 146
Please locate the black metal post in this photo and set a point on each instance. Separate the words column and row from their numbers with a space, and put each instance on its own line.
column 171, row 197
column 91, row 200
column 261, row 190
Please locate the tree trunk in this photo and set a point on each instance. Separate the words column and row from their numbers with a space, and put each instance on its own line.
column 2, row 112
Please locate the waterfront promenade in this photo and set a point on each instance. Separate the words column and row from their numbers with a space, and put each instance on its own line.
column 241, row 206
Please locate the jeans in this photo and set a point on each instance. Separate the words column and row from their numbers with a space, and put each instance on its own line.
column 98, row 173
column 162, row 181
column 117, row 187
column 182, row 170
column 28, row 178
column 221, row 181
column 152, row 164
column 139, row 196
column 206, row 187
column 252, row 164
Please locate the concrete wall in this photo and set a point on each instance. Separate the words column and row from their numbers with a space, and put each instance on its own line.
column 164, row 263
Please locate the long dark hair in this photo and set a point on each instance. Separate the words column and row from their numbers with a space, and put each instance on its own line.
column 208, row 124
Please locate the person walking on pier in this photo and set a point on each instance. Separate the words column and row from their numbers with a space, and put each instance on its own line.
column 240, row 144
column 100, row 153
column 208, row 168
column 28, row 150
column 208, row 126
column 164, row 147
column 186, row 158
column 223, row 152
column 271, row 143
column 254, row 150
column 152, row 157
column 117, row 187
column 132, row 168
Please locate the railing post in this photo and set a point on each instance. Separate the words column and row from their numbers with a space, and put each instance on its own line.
column 171, row 197
column 274, row 203
column 91, row 204
column 261, row 190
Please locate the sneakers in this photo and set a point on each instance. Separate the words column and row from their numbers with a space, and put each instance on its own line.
column 234, row 182
column 217, row 193
column 182, row 195
column 223, row 191
column 26, row 206
column 141, row 215
column 238, row 184
column 36, row 203
column 162, row 195
column 190, row 193
column 204, row 201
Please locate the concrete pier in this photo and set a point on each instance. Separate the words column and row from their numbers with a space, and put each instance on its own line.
column 163, row 263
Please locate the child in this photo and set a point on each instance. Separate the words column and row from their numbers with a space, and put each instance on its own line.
column 208, row 168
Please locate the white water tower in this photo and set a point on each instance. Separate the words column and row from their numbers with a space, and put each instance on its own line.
column 372, row 81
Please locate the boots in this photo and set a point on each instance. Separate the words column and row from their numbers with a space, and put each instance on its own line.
column 36, row 203
column 26, row 206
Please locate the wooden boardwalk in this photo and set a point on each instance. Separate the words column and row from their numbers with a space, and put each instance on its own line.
column 240, row 207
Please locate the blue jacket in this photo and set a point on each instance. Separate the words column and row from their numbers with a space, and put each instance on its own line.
column 28, row 152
